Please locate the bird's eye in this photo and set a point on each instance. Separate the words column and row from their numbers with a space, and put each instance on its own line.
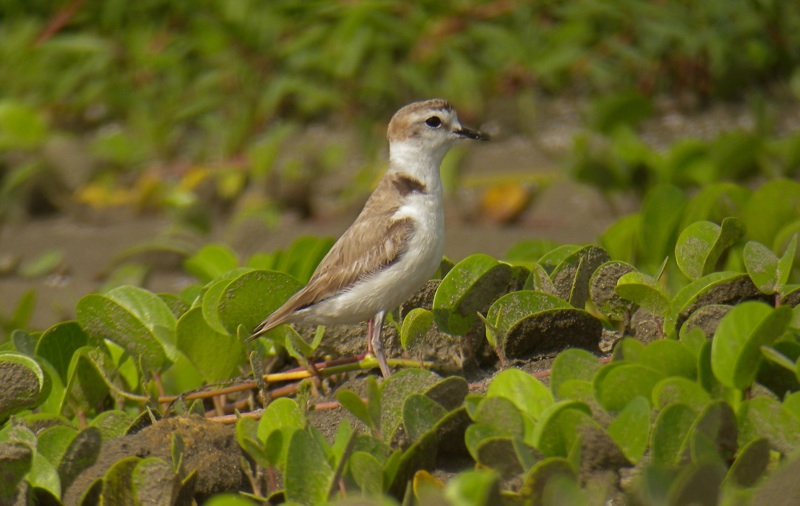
column 433, row 122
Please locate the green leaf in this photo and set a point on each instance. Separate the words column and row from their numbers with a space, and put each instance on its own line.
column 228, row 500
column 620, row 109
column 91, row 376
column 770, row 208
column 420, row 414
column 217, row 356
column 714, row 202
column 112, row 423
column 676, row 389
column 569, row 365
column 415, row 328
column 540, row 475
column 631, row 428
column 670, row 433
column 778, row 358
column 251, row 297
column 701, row 244
column 24, row 381
column 82, row 452
column 527, row 393
column 644, row 291
column 279, row 414
column 470, row 286
column 496, row 417
column 538, row 280
column 550, row 260
column 559, row 426
column 357, row 407
column 510, row 309
column 153, row 480
column 602, row 290
column 621, row 238
column 786, row 264
column 394, row 391
column 309, row 476
column 302, row 257
column 750, row 464
column 765, row 417
column 669, row 357
column 661, row 213
column 42, row 264
column 617, row 384
column 571, row 276
column 135, row 319
column 628, row 349
column 247, row 437
column 694, row 483
column 524, row 323
column 713, row 435
column 716, row 288
column 59, row 342
column 21, row 126
column 211, row 262
column 16, row 460
column 53, row 442
column 54, row 391
column 735, row 350
column 762, row 267
column 367, row 472
column 528, row 252
column 474, row 487
column 21, row 317
column 117, row 485
column 43, row 475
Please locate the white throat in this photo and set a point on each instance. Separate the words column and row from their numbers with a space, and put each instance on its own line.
column 419, row 162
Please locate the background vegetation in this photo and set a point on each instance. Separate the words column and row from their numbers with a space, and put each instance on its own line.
column 113, row 103
column 190, row 107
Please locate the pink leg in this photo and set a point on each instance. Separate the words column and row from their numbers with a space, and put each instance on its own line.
column 369, row 336
column 377, row 343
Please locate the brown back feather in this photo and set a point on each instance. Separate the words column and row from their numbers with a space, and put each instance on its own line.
column 372, row 242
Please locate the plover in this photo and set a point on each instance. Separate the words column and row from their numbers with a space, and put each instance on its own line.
column 396, row 243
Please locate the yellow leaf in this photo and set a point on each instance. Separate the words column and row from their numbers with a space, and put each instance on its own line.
column 505, row 202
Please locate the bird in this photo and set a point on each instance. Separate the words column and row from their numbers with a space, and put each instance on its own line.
column 396, row 243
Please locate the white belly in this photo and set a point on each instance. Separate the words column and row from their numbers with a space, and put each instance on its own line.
column 390, row 287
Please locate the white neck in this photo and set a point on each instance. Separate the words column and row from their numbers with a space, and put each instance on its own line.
column 420, row 163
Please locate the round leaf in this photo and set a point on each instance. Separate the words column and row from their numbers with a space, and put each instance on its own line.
column 470, row 286
column 22, row 380
column 602, row 290
column 526, row 323
column 701, row 244
column 631, row 428
column 526, row 392
column 572, row 364
column 415, row 327
column 571, row 276
column 104, row 317
column 617, row 384
column 644, row 291
column 736, row 348
column 762, row 266
column 252, row 296
column 217, row 356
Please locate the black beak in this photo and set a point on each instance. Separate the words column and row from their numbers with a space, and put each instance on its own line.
column 472, row 134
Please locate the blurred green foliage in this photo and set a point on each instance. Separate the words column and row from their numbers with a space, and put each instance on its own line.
column 155, row 95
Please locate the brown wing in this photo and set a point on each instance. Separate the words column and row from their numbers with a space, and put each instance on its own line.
column 373, row 242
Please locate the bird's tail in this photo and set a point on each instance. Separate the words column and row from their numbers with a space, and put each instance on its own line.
column 263, row 328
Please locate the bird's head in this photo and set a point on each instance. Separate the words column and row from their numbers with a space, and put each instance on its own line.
column 431, row 124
